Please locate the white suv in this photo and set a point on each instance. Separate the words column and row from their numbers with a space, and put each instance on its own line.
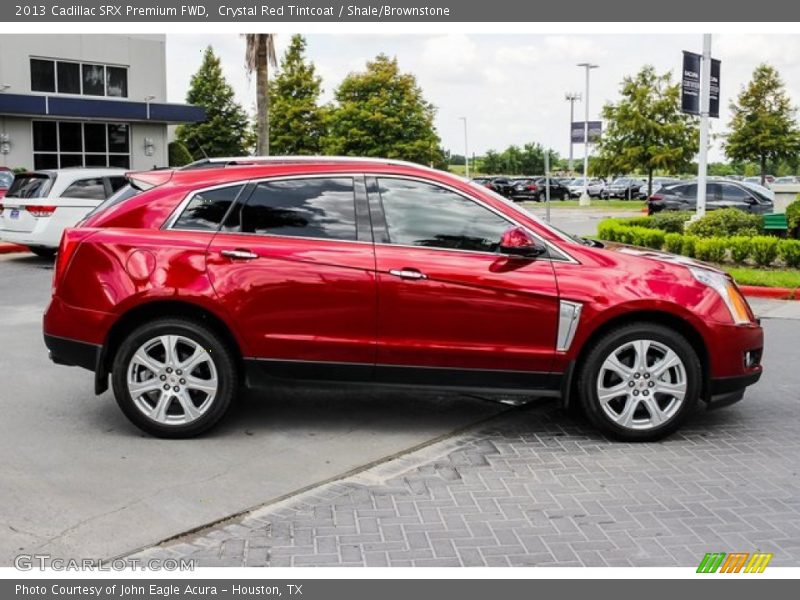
column 39, row 205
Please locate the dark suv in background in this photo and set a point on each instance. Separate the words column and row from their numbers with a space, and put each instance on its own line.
column 719, row 194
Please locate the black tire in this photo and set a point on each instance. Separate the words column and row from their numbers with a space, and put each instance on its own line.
column 589, row 371
column 42, row 252
column 198, row 332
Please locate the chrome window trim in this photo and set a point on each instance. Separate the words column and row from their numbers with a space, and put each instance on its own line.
column 561, row 255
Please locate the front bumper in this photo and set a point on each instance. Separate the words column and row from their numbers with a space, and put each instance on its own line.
column 725, row 391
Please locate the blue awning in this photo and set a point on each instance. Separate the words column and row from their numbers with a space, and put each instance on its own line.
column 98, row 108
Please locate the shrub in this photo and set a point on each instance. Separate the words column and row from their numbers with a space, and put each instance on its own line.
column 637, row 222
column 725, row 223
column 652, row 238
column 608, row 230
column 741, row 248
column 689, row 243
column 789, row 251
column 711, row 249
column 764, row 250
column 671, row 222
column 793, row 215
column 673, row 242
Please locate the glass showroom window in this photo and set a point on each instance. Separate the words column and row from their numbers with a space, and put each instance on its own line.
column 87, row 79
column 62, row 144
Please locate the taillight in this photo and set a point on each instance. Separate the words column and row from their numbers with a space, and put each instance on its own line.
column 656, row 198
column 70, row 240
column 41, row 210
column 532, row 188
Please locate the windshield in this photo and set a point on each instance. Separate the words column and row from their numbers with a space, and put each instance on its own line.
column 30, row 185
column 122, row 194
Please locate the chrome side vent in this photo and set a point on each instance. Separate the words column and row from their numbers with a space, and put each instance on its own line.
column 568, row 317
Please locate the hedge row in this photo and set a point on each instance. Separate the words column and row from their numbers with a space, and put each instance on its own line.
column 762, row 250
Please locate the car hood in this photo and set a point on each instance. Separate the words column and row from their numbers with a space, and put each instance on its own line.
column 648, row 254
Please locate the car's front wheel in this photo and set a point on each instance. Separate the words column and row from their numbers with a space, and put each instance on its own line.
column 174, row 377
column 639, row 382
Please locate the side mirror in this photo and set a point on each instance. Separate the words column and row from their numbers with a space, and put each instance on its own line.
column 518, row 242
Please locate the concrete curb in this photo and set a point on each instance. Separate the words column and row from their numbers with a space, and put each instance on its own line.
column 775, row 293
column 12, row 248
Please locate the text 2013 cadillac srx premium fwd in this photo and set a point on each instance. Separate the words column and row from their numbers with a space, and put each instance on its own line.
column 189, row 284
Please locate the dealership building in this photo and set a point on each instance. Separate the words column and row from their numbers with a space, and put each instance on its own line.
column 86, row 100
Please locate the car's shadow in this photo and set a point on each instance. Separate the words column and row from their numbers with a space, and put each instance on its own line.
column 286, row 410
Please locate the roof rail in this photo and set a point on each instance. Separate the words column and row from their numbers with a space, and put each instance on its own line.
column 234, row 161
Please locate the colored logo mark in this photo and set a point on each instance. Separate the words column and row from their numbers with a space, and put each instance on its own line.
column 736, row 562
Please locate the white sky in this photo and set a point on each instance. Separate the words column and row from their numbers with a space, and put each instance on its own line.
column 510, row 87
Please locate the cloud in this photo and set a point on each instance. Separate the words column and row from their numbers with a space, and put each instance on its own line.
column 453, row 58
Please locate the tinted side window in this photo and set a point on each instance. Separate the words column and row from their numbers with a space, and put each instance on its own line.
column 88, row 189
column 207, row 209
column 116, row 183
column 422, row 214
column 731, row 192
column 319, row 208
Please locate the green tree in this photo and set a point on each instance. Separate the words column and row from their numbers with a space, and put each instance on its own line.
column 492, row 163
column 382, row 112
column 763, row 127
column 646, row 130
column 226, row 131
column 297, row 121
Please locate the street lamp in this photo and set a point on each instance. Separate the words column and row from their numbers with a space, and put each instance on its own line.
column 585, row 200
column 466, row 148
column 148, row 100
column 571, row 97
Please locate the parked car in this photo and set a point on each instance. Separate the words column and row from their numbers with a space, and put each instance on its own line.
column 719, row 194
column 791, row 179
column 535, row 189
column 366, row 271
column 500, row 185
column 39, row 205
column 768, row 180
column 625, row 188
column 658, row 183
column 6, row 179
column 595, row 188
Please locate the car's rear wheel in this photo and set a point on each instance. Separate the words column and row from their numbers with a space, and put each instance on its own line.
column 42, row 252
column 640, row 382
column 174, row 377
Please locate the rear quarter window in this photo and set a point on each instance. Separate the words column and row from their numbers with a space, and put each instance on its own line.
column 207, row 209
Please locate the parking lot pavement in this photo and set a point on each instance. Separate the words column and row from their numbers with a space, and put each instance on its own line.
column 579, row 221
column 79, row 481
column 537, row 487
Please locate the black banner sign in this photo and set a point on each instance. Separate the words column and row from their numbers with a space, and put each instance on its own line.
column 690, row 85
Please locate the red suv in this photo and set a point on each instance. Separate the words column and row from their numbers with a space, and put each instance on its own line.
column 191, row 283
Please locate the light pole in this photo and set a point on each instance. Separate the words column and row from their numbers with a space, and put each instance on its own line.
column 148, row 100
column 466, row 148
column 585, row 200
column 571, row 97
column 705, row 101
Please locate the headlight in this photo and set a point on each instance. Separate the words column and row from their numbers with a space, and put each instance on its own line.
column 724, row 286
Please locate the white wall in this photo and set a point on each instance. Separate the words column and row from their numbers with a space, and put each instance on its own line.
column 144, row 55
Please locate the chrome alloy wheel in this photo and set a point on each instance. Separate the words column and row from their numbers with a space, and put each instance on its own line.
column 172, row 380
column 641, row 384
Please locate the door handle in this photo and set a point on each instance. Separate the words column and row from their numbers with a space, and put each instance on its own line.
column 239, row 254
column 406, row 273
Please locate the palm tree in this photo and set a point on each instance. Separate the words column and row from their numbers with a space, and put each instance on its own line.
column 260, row 54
